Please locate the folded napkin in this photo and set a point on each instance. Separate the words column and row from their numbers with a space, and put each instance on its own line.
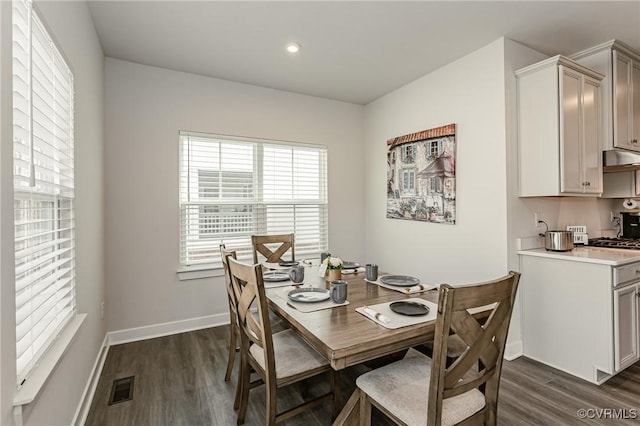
column 353, row 271
column 384, row 316
column 419, row 288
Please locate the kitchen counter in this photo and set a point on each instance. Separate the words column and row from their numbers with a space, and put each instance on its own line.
column 603, row 256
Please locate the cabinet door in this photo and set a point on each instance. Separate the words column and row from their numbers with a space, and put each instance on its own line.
column 625, row 309
column 591, row 135
column 570, row 146
column 622, row 105
column 635, row 103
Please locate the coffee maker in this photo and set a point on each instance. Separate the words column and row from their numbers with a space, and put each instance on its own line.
column 630, row 225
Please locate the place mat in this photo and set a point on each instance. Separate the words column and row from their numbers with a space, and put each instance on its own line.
column 406, row 290
column 277, row 284
column 353, row 271
column 398, row 320
column 307, row 307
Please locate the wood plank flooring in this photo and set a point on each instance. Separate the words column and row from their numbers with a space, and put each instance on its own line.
column 179, row 380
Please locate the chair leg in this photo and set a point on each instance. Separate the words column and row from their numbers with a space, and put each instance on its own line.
column 244, row 398
column 270, row 412
column 233, row 347
column 365, row 410
column 335, row 389
column 236, row 401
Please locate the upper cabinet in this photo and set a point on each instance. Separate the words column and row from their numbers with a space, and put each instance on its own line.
column 559, row 129
column 620, row 65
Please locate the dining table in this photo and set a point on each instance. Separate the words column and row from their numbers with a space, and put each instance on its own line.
column 342, row 335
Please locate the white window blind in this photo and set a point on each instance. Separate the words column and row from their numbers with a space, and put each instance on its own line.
column 232, row 188
column 43, row 188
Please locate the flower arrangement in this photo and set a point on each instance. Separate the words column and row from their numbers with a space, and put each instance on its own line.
column 334, row 263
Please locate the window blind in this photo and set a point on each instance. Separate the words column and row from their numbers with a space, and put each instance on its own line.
column 43, row 187
column 232, row 188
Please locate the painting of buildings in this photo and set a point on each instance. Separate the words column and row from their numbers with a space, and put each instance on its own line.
column 421, row 176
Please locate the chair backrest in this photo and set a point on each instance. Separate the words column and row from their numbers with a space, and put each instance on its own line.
column 272, row 247
column 225, row 254
column 485, row 343
column 253, row 312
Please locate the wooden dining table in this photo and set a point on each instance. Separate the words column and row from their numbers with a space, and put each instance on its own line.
column 342, row 335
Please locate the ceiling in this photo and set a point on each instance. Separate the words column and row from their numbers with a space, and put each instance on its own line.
column 352, row 51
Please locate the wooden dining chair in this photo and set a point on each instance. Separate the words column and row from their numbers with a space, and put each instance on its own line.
column 234, row 333
column 273, row 247
column 420, row 390
column 278, row 359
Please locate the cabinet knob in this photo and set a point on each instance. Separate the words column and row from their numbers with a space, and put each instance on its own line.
column 637, row 271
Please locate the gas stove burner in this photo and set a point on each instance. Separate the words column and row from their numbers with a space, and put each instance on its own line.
column 622, row 243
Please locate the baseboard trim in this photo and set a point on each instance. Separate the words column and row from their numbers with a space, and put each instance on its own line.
column 165, row 329
column 82, row 411
column 513, row 350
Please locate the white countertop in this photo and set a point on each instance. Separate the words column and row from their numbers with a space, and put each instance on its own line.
column 604, row 256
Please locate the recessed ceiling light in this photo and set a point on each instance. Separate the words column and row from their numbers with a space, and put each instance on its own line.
column 293, row 47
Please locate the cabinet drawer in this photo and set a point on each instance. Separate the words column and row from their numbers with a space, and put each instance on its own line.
column 626, row 273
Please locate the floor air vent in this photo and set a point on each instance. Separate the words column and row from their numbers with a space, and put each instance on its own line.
column 122, row 390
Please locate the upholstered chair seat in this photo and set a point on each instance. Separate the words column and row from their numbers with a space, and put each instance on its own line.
column 403, row 389
column 292, row 355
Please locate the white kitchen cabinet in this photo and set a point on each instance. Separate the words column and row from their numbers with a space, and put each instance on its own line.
column 559, row 129
column 567, row 316
column 625, row 308
column 620, row 64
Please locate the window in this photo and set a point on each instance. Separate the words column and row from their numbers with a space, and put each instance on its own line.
column 408, row 180
column 43, row 188
column 232, row 188
column 435, row 184
column 435, row 148
column 408, row 153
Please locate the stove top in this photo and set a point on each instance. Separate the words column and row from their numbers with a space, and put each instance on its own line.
column 622, row 243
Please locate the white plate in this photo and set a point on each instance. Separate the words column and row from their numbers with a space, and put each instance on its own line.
column 309, row 295
column 350, row 265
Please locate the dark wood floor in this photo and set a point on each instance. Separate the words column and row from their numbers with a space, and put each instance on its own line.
column 179, row 381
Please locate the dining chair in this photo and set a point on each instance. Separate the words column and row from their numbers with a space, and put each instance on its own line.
column 273, row 247
column 279, row 359
column 234, row 333
column 419, row 390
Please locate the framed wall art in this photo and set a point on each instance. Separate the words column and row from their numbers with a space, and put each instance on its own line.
column 421, row 176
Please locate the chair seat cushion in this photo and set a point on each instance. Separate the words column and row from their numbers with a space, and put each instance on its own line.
column 402, row 388
column 293, row 356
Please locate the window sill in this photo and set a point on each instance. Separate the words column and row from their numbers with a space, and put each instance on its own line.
column 200, row 271
column 38, row 377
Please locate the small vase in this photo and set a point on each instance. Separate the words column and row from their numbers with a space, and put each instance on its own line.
column 334, row 275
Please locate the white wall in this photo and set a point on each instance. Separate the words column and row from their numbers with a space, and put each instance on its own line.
column 470, row 93
column 145, row 107
column 72, row 27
